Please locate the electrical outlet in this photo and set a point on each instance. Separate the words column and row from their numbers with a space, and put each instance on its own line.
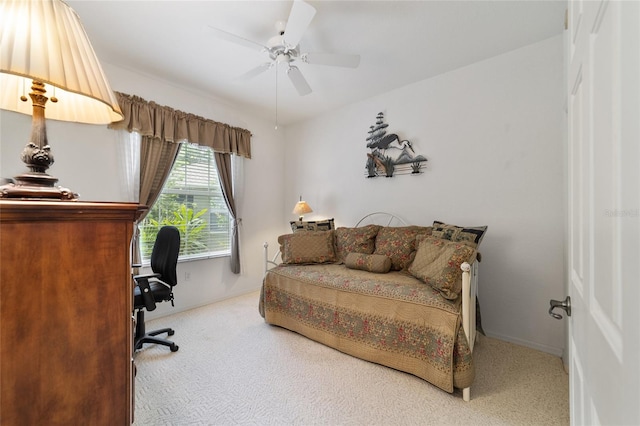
column 187, row 276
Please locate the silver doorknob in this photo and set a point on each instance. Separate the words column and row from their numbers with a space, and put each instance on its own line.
column 564, row 304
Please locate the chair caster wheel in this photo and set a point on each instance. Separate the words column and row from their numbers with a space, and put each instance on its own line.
column 171, row 333
column 174, row 348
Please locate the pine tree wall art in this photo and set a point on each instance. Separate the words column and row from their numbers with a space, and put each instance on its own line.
column 389, row 154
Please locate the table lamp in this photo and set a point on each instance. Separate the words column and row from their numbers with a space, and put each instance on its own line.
column 301, row 208
column 44, row 49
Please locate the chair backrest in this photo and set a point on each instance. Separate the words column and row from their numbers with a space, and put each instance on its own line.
column 164, row 257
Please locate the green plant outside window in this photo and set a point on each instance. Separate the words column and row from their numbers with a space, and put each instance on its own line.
column 192, row 201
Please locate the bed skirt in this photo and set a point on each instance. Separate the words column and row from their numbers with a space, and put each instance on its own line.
column 391, row 319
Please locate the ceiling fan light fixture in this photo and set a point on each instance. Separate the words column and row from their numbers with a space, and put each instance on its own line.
column 283, row 58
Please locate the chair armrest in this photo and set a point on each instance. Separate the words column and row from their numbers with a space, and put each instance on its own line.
column 156, row 276
column 147, row 276
column 142, row 281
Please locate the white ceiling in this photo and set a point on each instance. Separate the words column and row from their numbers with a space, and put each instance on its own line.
column 400, row 42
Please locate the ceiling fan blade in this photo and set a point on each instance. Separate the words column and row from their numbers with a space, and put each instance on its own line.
column 255, row 71
column 299, row 19
column 298, row 81
column 223, row 35
column 332, row 59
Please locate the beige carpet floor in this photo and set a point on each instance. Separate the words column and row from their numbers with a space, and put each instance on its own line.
column 234, row 369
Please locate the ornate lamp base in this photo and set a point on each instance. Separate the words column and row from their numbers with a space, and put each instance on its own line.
column 36, row 185
column 37, row 155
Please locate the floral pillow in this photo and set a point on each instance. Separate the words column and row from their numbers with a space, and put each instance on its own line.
column 437, row 263
column 355, row 240
column 399, row 244
column 307, row 247
column 368, row 262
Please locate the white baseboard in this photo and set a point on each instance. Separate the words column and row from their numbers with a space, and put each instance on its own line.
column 537, row 346
column 164, row 310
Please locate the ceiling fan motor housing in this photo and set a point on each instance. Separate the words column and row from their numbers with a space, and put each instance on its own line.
column 280, row 52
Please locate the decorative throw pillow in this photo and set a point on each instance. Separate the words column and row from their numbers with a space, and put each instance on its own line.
column 368, row 262
column 307, row 247
column 312, row 225
column 437, row 263
column 421, row 237
column 399, row 244
column 470, row 234
column 355, row 240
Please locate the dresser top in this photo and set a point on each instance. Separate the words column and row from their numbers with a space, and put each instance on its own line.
column 37, row 210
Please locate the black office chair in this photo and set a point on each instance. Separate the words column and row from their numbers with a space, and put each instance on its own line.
column 157, row 286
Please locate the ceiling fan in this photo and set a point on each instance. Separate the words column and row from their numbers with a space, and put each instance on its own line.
column 284, row 48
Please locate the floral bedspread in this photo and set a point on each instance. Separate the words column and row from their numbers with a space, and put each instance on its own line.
column 392, row 319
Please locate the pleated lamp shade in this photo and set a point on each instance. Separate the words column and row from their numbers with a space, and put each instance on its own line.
column 43, row 40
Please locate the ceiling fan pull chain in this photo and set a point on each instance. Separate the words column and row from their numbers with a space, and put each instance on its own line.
column 276, row 95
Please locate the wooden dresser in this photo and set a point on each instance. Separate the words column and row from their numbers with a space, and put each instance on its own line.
column 65, row 313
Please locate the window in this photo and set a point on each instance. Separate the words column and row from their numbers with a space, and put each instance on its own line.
column 192, row 201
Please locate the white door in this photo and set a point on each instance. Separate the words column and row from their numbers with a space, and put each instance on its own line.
column 603, row 85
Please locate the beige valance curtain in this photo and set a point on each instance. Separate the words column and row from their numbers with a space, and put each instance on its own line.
column 170, row 125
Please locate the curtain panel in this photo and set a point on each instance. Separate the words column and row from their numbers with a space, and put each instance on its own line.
column 156, row 161
column 223, row 164
column 170, row 125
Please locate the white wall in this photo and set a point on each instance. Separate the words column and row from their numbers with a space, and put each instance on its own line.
column 87, row 160
column 492, row 133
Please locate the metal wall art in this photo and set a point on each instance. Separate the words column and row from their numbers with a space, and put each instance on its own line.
column 389, row 154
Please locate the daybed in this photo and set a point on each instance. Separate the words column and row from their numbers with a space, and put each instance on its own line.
column 400, row 296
